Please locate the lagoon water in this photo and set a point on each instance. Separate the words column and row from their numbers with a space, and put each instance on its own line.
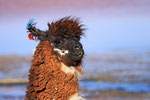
column 108, row 86
column 17, row 91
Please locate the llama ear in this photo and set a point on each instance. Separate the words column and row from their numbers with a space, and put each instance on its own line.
column 67, row 26
column 49, row 25
column 34, row 33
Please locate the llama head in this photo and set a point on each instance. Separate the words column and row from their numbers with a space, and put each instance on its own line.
column 64, row 37
column 69, row 50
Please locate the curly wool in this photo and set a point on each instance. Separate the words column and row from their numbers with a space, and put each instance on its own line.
column 46, row 79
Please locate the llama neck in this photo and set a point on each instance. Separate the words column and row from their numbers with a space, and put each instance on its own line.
column 49, row 79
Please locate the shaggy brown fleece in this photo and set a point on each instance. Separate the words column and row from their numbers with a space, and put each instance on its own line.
column 46, row 79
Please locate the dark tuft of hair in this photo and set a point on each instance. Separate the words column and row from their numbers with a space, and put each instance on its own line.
column 67, row 26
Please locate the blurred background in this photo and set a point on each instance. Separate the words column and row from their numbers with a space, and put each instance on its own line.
column 116, row 42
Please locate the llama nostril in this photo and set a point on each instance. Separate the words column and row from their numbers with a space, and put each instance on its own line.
column 80, row 53
column 76, row 47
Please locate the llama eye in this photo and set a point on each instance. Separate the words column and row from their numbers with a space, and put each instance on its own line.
column 57, row 42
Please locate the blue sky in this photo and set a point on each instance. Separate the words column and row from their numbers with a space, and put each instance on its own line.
column 108, row 28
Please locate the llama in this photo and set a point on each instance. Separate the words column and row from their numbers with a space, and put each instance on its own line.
column 57, row 61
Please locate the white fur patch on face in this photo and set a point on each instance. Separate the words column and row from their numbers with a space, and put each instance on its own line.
column 69, row 69
column 61, row 52
column 76, row 97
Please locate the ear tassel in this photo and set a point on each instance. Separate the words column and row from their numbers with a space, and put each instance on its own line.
column 35, row 34
column 29, row 26
column 30, row 22
column 31, row 37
